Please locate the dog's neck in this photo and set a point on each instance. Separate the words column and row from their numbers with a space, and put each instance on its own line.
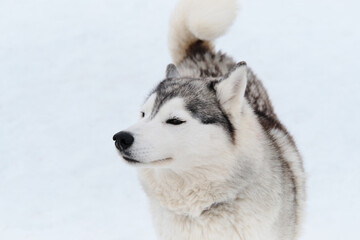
column 188, row 193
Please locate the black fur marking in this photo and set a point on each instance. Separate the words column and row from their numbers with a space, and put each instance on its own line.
column 200, row 100
column 212, row 84
column 221, row 118
column 201, row 57
column 199, row 47
column 269, row 122
column 231, row 129
column 287, row 173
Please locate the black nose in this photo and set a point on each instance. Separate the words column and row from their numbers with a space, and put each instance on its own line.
column 123, row 140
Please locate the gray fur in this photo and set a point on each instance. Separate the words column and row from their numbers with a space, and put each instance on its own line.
column 200, row 99
column 171, row 71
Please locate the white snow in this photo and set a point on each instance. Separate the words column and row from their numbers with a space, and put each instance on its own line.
column 74, row 72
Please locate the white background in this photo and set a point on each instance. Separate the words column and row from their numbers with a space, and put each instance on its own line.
column 74, row 72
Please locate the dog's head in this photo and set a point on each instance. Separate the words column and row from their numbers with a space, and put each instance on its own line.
column 186, row 122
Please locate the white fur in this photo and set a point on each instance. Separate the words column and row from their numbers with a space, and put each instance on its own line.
column 207, row 169
column 231, row 90
column 197, row 178
column 156, row 140
column 198, row 19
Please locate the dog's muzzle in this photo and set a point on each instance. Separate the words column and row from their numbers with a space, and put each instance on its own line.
column 123, row 140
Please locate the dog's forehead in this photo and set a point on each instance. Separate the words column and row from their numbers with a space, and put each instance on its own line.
column 181, row 86
column 190, row 90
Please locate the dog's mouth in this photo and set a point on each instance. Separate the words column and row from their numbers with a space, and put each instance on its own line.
column 130, row 160
column 134, row 161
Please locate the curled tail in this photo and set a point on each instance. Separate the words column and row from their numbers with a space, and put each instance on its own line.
column 194, row 24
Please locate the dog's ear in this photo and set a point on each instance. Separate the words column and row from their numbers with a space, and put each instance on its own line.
column 231, row 89
column 171, row 71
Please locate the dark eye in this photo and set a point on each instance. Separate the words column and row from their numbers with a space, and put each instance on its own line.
column 142, row 114
column 174, row 121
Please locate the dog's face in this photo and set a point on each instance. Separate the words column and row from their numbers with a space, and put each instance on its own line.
column 185, row 122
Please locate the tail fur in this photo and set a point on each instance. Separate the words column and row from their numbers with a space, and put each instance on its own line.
column 195, row 22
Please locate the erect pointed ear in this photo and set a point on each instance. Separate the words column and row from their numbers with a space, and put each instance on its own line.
column 171, row 71
column 230, row 91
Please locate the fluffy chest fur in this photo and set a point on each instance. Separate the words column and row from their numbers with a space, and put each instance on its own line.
column 201, row 209
column 225, row 221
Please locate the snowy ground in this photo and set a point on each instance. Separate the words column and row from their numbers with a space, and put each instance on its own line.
column 74, row 72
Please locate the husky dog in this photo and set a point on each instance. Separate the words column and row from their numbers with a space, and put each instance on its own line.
column 211, row 154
